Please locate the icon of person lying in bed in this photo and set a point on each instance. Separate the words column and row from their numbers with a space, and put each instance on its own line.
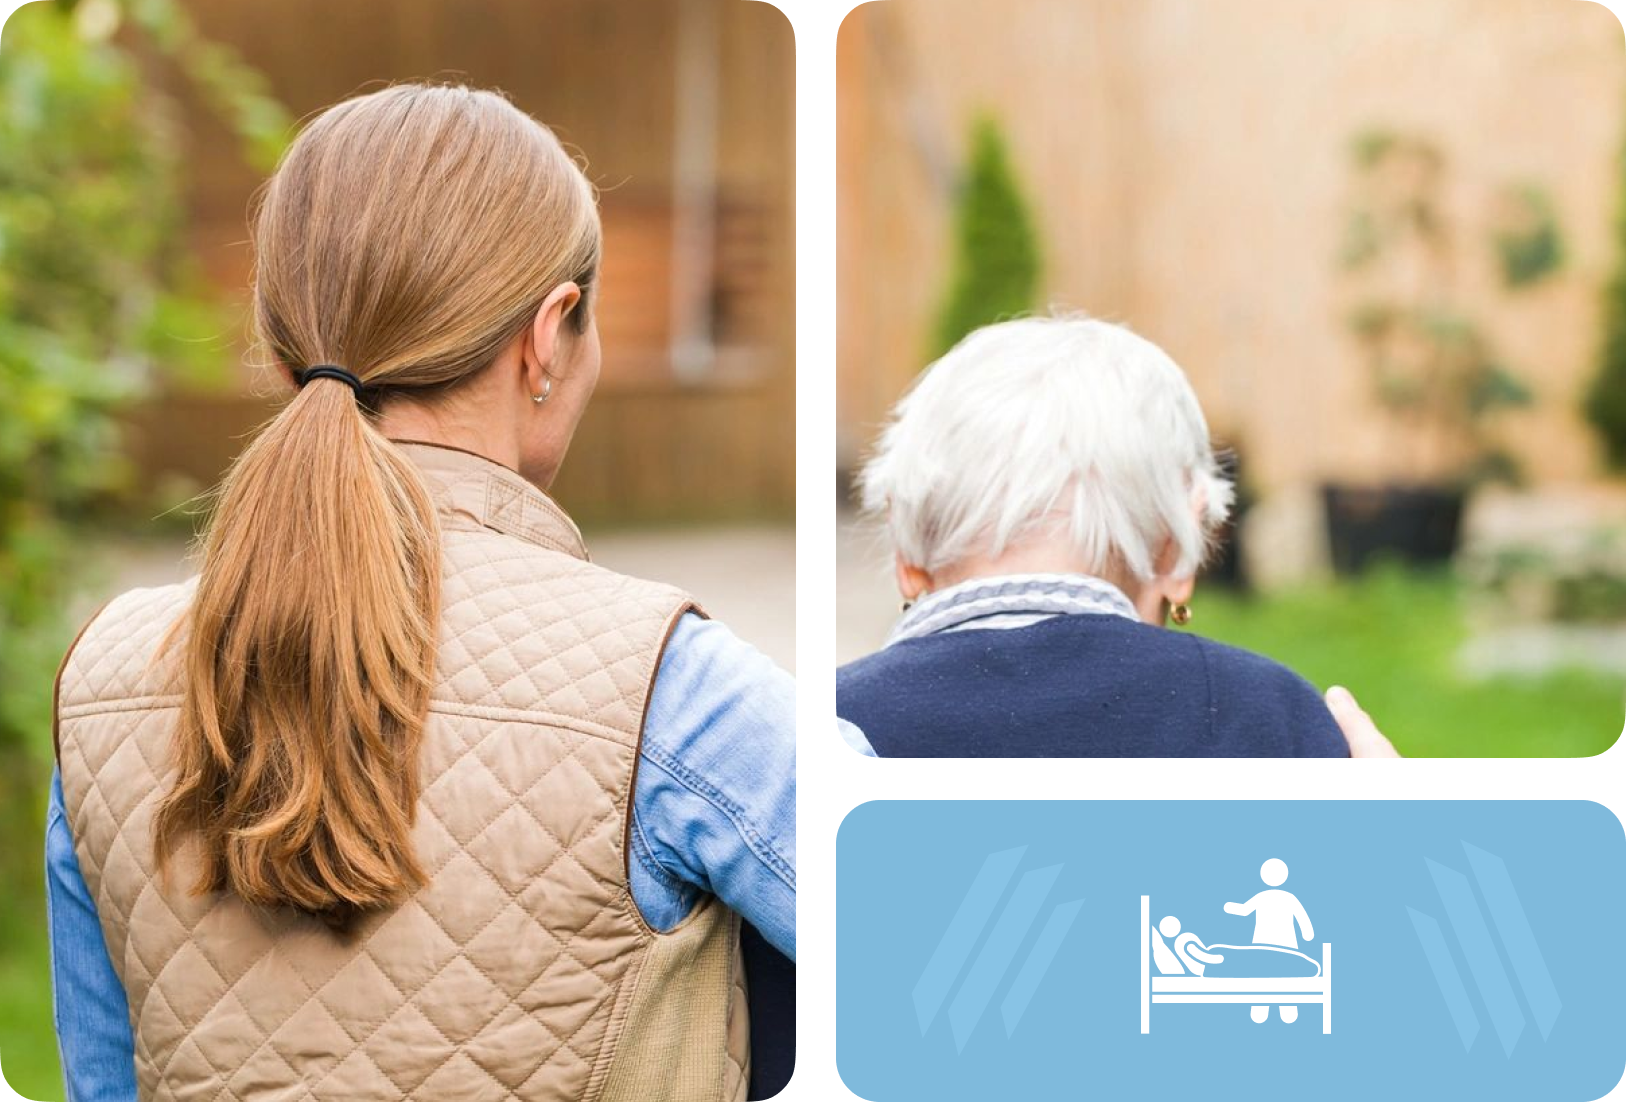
column 1274, row 954
column 1189, row 953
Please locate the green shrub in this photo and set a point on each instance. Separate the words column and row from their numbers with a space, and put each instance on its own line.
column 996, row 250
column 1606, row 398
column 97, row 302
column 87, row 201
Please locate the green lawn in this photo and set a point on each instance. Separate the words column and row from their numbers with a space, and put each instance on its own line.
column 1392, row 640
column 27, row 1041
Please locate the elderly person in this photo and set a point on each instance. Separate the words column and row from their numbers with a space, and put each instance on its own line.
column 1050, row 492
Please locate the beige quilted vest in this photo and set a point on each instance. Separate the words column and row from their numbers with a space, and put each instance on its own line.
column 523, row 970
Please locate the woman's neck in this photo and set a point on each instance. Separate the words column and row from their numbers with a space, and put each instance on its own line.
column 1028, row 560
column 451, row 426
column 1052, row 557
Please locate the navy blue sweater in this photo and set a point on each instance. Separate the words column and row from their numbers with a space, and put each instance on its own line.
column 1082, row 685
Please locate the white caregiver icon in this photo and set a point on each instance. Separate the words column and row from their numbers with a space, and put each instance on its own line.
column 1271, row 971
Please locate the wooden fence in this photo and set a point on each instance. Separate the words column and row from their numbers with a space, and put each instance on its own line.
column 609, row 75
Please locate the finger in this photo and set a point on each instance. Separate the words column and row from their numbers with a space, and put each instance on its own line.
column 1362, row 734
column 1343, row 704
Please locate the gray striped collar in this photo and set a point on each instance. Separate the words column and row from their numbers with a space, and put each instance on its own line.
column 1010, row 601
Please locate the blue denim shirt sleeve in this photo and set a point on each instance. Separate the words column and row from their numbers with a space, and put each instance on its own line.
column 714, row 809
column 854, row 738
column 92, row 1012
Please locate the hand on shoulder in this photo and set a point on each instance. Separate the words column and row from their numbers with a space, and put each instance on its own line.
column 1362, row 734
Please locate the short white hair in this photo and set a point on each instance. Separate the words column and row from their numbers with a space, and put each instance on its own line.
column 1048, row 421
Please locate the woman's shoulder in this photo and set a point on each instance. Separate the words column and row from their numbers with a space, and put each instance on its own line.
column 471, row 550
column 146, row 601
column 1251, row 689
column 1243, row 686
column 1249, row 666
column 138, row 616
column 491, row 570
column 113, row 651
column 867, row 665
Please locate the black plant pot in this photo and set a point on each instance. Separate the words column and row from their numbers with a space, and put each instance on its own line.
column 1417, row 525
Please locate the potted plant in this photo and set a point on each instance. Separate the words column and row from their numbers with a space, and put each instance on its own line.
column 1435, row 373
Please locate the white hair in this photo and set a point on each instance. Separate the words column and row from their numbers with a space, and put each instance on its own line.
column 1030, row 425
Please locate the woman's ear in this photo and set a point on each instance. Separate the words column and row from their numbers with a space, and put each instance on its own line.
column 542, row 350
column 1166, row 589
column 913, row 582
column 1179, row 591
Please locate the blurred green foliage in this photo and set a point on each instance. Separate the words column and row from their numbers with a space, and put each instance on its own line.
column 87, row 200
column 235, row 90
column 1527, row 237
column 1576, row 580
column 98, row 302
column 996, row 250
column 1606, row 398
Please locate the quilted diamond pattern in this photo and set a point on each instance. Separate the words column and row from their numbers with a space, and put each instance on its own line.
column 507, row 976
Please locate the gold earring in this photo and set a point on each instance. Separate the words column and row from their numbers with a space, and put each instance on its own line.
column 547, row 392
column 1180, row 613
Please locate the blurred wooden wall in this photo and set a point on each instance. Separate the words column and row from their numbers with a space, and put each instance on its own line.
column 607, row 76
column 1188, row 165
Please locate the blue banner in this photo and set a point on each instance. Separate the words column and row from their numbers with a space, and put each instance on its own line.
column 1181, row 950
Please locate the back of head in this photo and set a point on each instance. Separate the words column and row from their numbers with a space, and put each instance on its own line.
column 408, row 236
column 1047, row 423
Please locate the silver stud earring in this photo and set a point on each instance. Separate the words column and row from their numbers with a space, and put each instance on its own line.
column 547, row 392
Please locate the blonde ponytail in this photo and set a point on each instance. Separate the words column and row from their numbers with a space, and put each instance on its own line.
column 408, row 236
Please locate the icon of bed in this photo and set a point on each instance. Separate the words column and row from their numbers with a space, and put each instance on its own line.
column 1250, row 991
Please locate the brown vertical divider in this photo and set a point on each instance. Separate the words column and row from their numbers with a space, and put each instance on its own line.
column 813, row 25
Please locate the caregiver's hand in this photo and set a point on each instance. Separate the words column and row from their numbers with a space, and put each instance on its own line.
column 1363, row 736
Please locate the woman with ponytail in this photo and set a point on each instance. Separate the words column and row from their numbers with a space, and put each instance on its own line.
column 402, row 796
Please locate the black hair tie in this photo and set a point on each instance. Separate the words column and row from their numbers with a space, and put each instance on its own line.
column 330, row 371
